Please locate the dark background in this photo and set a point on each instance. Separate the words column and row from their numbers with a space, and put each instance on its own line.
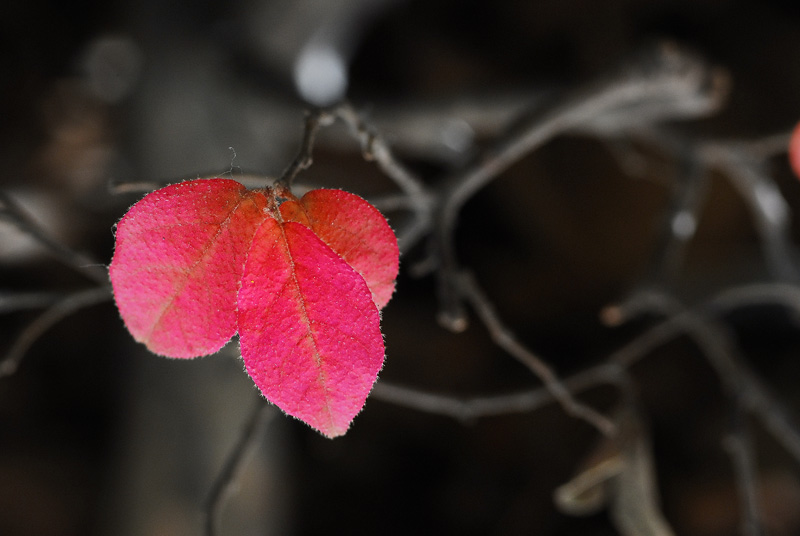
column 97, row 436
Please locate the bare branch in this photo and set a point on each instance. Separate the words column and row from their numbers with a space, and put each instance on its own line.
column 743, row 162
column 261, row 414
column 124, row 187
column 649, row 91
column 17, row 301
column 635, row 502
column 417, row 196
column 444, row 130
column 611, row 372
column 739, row 445
column 786, row 294
column 374, row 147
column 13, row 212
column 314, row 120
column 739, row 381
column 467, row 409
column 503, row 337
column 767, row 146
column 770, row 210
column 681, row 220
column 639, row 92
column 60, row 310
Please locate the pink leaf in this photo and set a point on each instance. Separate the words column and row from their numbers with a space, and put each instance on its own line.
column 356, row 231
column 309, row 331
column 300, row 280
column 178, row 262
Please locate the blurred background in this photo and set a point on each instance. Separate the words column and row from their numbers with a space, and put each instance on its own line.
column 98, row 436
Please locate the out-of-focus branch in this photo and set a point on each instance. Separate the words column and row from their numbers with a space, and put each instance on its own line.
column 769, row 209
column 744, row 163
column 741, row 384
column 18, row 301
column 689, row 192
column 657, row 85
column 417, row 196
column 610, row 372
column 505, row 339
column 143, row 187
column 13, row 212
column 635, row 506
column 260, row 416
column 314, row 120
column 374, row 147
column 57, row 312
column 756, row 294
column 467, row 409
column 739, row 445
column 739, row 381
column 619, row 473
column 446, row 130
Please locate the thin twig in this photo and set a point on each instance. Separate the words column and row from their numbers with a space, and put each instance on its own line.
column 60, row 310
column 786, row 294
column 374, row 147
column 17, row 301
column 766, row 146
column 467, row 409
column 742, row 382
column 503, row 337
column 739, row 381
column 739, row 445
column 314, row 120
column 744, row 163
column 766, row 202
column 635, row 509
column 417, row 196
column 426, row 128
column 680, row 224
column 14, row 213
column 124, row 187
column 664, row 81
column 669, row 76
column 256, row 423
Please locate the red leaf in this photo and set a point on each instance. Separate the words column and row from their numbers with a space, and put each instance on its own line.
column 301, row 281
column 178, row 262
column 356, row 231
column 309, row 331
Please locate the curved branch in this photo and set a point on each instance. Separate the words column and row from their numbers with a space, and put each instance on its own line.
column 656, row 87
column 260, row 416
column 57, row 312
